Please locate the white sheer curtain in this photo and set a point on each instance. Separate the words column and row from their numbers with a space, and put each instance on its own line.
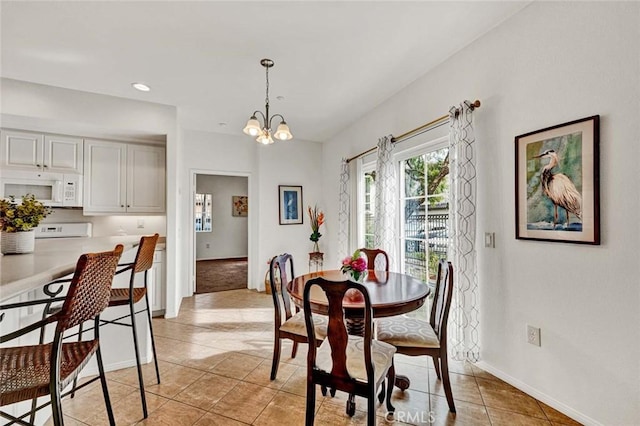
column 386, row 200
column 462, row 250
column 343, row 212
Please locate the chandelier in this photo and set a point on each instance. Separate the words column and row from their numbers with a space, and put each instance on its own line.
column 263, row 131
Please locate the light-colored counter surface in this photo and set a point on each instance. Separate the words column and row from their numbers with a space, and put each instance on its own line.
column 53, row 258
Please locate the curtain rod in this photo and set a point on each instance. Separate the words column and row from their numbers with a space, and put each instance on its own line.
column 421, row 129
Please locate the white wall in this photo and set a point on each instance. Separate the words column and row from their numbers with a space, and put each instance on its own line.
column 229, row 234
column 293, row 162
column 551, row 63
column 289, row 163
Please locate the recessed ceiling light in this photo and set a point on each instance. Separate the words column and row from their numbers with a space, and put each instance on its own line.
column 141, row 87
column 222, row 124
column 280, row 98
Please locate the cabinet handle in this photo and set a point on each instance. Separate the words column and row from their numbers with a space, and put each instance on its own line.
column 37, row 165
column 121, row 205
column 45, row 166
column 128, row 206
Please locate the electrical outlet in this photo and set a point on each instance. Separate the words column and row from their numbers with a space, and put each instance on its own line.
column 533, row 335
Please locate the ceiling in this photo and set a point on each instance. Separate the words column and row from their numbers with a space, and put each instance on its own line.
column 334, row 61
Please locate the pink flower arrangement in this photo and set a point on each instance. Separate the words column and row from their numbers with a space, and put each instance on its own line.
column 355, row 265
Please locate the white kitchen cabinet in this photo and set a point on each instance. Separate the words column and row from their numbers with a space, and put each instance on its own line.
column 40, row 152
column 156, row 284
column 123, row 178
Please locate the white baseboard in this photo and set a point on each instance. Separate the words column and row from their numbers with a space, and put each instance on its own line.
column 540, row 396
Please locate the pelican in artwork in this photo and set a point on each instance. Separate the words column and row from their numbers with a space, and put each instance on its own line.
column 559, row 188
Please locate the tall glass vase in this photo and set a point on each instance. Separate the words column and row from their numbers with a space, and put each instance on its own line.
column 316, row 247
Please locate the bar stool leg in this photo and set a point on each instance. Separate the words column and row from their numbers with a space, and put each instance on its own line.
column 103, row 377
column 153, row 340
column 138, row 365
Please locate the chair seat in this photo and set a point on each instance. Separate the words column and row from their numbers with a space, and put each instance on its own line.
column 25, row 370
column 381, row 357
column 120, row 296
column 403, row 331
column 296, row 325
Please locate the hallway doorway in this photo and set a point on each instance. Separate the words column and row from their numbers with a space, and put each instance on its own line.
column 220, row 232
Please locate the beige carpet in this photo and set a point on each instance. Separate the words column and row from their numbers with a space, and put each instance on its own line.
column 221, row 275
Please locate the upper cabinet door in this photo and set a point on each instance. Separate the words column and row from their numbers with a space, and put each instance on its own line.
column 22, row 150
column 145, row 179
column 62, row 154
column 105, row 176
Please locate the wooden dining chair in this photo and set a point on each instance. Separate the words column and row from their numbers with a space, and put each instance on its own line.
column 357, row 365
column 29, row 372
column 377, row 259
column 288, row 325
column 416, row 337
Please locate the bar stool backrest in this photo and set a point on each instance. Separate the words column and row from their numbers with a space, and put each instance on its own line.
column 90, row 288
column 144, row 257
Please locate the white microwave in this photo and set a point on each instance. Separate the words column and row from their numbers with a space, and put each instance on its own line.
column 52, row 189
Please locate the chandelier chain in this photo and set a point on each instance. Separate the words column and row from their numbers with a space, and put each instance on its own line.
column 267, row 98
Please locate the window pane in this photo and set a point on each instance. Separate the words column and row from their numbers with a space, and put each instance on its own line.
column 414, row 182
column 369, row 208
column 425, row 220
column 437, row 174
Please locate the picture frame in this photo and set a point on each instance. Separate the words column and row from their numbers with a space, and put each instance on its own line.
column 557, row 183
column 239, row 206
column 290, row 204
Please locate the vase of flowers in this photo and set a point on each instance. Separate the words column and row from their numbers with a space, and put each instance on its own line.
column 17, row 221
column 317, row 219
column 354, row 265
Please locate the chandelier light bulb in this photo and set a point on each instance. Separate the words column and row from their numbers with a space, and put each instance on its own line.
column 282, row 132
column 265, row 138
column 253, row 127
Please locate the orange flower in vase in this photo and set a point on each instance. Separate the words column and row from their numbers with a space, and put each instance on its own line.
column 317, row 219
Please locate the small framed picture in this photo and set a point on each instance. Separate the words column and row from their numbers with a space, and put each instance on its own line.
column 557, row 183
column 239, row 206
column 290, row 204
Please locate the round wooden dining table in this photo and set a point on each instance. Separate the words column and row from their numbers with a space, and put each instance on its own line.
column 391, row 294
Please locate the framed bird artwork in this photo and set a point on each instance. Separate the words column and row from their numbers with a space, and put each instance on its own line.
column 557, row 183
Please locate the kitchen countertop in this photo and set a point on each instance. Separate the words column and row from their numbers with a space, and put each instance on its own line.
column 53, row 258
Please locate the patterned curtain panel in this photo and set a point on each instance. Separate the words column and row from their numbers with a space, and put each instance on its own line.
column 386, row 200
column 462, row 251
column 343, row 212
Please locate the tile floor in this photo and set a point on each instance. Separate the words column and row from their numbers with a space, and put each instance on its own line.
column 215, row 360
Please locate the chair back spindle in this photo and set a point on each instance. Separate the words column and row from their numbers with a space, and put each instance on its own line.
column 377, row 259
column 281, row 300
column 336, row 330
column 442, row 299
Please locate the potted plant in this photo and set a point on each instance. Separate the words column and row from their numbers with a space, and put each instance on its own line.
column 17, row 221
column 317, row 220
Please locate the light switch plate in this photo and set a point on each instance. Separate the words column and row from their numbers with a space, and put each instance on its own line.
column 490, row 239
